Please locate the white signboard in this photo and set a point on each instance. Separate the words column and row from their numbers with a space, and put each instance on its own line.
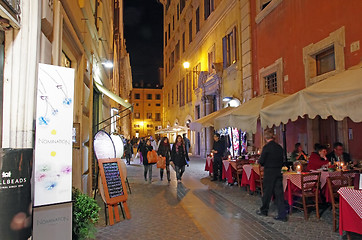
column 53, row 138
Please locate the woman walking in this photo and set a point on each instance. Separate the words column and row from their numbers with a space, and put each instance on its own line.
column 128, row 151
column 179, row 157
column 164, row 150
column 145, row 148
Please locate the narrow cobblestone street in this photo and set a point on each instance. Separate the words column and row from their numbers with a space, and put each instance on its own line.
column 200, row 209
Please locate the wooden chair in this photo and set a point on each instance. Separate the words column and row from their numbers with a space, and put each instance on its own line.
column 334, row 184
column 239, row 171
column 310, row 190
column 259, row 182
column 350, row 175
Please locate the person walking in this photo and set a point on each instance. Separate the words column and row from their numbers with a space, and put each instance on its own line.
column 164, row 150
column 179, row 157
column 272, row 159
column 145, row 148
column 139, row 148
column 128, row 151
column 218, row 151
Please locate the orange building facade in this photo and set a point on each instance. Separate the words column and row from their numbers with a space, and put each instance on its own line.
column 298, row 43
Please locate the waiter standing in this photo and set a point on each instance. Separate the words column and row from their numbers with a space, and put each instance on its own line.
column 217, row 150
column 272, row 160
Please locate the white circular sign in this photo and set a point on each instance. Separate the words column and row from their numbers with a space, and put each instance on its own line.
column 103, row 145
column 118, row 145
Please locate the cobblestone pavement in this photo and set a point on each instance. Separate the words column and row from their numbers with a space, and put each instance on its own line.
column 200, row 209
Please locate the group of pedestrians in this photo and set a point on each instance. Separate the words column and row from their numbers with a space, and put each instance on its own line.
column 176, row 156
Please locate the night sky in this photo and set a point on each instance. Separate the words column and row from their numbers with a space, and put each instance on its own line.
column 143, row 31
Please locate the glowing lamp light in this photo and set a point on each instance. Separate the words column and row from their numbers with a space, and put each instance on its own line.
column 186, row 65
column 229, row 157
column 141, row 123
column 211, row 154
column 108, row 64
column 126, row 100
column 298, row 169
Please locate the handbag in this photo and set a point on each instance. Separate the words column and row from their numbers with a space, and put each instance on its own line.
column 152, row 156
column 161, row 163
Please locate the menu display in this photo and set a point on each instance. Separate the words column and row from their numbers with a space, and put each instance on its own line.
column 103, row 145
column 113, row 179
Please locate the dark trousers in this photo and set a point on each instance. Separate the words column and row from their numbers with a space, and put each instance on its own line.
column 273, row 185
column 167, row 171
column 217, row 167
column 179, row 171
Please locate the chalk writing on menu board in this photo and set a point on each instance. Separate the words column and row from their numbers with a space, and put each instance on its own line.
column 113, row 179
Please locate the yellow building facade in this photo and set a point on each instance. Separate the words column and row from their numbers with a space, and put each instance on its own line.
column 147, row 111
column 213, row 37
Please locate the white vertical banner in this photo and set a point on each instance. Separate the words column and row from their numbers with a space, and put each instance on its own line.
column 53, row 137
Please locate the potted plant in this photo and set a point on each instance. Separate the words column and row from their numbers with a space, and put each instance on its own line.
column 85, row 215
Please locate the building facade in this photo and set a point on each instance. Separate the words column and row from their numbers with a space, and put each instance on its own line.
column 77, row 34
column 147, row 111
column 297, row 44
column 213, row 37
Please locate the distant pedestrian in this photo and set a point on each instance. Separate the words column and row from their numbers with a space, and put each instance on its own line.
column 145, row 148
column 218, row 151
column 153, row 143
column 139, row 148
column 272, row 159
column 179, row 157
column 128, row 151
column 164, row 150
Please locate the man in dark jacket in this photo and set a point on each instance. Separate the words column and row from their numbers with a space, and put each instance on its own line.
column 217, row 150
column 272, row 160
column 338, row 154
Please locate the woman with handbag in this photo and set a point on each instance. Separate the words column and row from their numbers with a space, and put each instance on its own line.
column 179, row 157
column 164, row 150
column 145, row 148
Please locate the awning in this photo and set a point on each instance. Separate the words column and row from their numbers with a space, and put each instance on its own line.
column 208, row 120
column 245, row 116
column 338, row 96
column 175, row 129
column 113, row 96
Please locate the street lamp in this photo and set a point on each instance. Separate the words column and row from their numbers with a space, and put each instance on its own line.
column 186, row 65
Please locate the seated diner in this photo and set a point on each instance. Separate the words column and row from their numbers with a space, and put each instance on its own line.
column 318, row 159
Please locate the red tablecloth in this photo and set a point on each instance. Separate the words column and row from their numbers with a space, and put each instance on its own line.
column 292, row 182
column 208, row 164
column 250, row 174
column 228, row 170
column 350, row 210
column 323, row 181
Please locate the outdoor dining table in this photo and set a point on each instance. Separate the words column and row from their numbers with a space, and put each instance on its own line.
column 292, row 182
column 350, row 210
column 250, row 174
column 323, row 181
column 208, row 164
column 228, row 170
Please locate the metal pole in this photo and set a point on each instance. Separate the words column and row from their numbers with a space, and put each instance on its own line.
column 284, row 129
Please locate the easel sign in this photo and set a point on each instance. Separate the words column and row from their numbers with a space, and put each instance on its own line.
column 114, row 187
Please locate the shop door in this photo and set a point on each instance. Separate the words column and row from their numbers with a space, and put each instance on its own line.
column 327, row 132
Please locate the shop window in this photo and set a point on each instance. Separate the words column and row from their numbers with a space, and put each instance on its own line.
column 324, row 58
column 270, row 78
column 137, row 96
column 190, row 31
column 271, row 83
column 208, row 8
column 264, row 7
column 182, row 5
column 229, row 48
column 197, row 20
column 325, row 61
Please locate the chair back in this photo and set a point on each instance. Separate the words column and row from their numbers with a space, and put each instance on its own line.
column 350, row 175
column 310, row 182
column 239, row 166
column 334, row 184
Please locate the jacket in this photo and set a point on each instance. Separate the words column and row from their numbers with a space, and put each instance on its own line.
column 164, row 151
column 315, row 162
column 179, row 158
column 272, row 155
column 144, row 150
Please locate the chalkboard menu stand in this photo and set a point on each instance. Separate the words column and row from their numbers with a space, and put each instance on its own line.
column 114, row 187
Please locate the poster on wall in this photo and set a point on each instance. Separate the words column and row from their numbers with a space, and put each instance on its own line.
column 53, row 137
column 15, row 193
